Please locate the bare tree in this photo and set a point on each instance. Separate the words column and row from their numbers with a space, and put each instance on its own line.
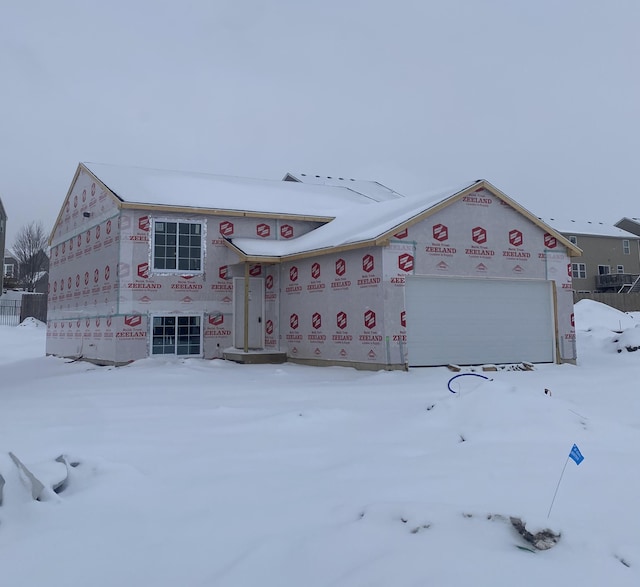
column 29, row 249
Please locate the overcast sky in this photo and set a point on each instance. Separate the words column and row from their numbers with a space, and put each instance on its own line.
column 540, row 98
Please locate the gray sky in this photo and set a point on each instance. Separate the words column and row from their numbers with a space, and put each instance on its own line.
column 540, row 98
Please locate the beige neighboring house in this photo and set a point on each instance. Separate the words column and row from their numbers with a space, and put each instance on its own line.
column 610, row 260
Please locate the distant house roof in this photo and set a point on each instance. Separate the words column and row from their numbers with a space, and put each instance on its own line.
column 374, row 224
column 587, row 228
column 3, row 212
column 200, row 190
column 630, row 225
column 371, row 189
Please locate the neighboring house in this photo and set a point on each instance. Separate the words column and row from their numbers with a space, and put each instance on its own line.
column 14, row 273
column 147, row 263
column 610, row 260
column 3, row 236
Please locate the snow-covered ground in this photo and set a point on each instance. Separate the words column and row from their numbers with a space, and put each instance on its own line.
column 202, row 473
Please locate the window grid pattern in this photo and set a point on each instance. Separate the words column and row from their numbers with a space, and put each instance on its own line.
column 620, row 268
column 176, row 335
column 626, row 247
column 177, row 246
column 578, row 270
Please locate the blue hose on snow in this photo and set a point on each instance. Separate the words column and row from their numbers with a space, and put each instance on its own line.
column 463, row 375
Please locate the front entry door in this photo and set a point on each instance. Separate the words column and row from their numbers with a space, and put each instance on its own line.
column 256, row 313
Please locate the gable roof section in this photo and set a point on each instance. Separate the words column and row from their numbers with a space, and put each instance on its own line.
column 137, row 187
column 588, row 228
column 3, row 212
column 631, row 225
column 374, row 225
column 371, row 189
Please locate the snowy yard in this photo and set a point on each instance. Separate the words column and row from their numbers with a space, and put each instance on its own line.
column 201, row 473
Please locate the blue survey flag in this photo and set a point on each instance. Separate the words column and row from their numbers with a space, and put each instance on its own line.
column 576, row 455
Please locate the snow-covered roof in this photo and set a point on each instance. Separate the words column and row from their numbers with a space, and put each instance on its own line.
column 201, row 190
column 353, row 225
column 587, row 228
column 371, row 189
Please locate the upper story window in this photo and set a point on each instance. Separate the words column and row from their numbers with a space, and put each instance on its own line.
column 8, row 269
column 177, row 246
column 626, row 247
column 573, row 239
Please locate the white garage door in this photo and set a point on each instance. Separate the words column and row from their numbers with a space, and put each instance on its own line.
column 477, row 321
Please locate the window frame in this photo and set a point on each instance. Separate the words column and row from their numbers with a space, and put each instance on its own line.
column 157, row 237
column 573, row 239
column 601, row 267
column 620, row 269
column 626, row 246
column 578, row 270
column 175, row 336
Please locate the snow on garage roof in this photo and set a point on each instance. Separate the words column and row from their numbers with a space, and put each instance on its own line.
column 201, row 190
column 587, row 228
column 353, row 225
column 372, row 189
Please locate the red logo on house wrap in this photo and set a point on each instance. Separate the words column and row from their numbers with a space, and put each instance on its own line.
column 286, row 231
column 263, row 230
column 515, row 238
column 402, row 234
column 144, row 223
column 79, row 240
column 216, row 319
column 341, row 267
column 64, row 247
column 226, row 228
column 84, row 195
column 108, row 321
column 96, row 276
column 71, row 244
column 367, row 263
column 268, row 327
column 75, row 201
column 573, row 322
column 405, row 262
column 293, row 273
column 69, row 281
column 97, row 322
column 440, row 232
column 293, row 321
column 143, row 270
column 315, row 270
column 255, row 270
column 316, row 321
column 133, row 321
column 569, row 272
column 370, row 319
column 268, row 282
column 107, row 273
column 223, row 272
column 550, row 241
column 98, row 232
column 479, row 235
column 87, row 322
column 403, row 319
column 86, row 278
column 93, row 189
column 341, row 320
column 78, row 280
column 108, row 227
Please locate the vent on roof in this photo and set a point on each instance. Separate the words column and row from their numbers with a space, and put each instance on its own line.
column 341, row 178
column 318, row 176
column 303, row 174
column 352, row 179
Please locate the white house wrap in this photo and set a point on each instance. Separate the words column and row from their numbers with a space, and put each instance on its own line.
column 147, row 262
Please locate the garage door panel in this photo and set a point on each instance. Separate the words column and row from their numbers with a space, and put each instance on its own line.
column 475, row 321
